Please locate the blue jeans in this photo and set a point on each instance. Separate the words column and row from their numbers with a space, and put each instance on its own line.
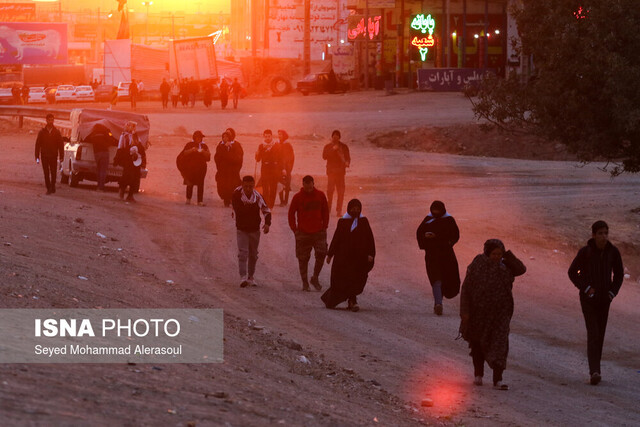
column 436, row 287
column 102, row 164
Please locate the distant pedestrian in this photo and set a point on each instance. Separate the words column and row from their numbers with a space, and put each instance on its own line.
column 207, row 93
column 113, row 98
column 224, row 93
column 184, row 92
column 287, row 158
column 49, row 147
column 25, row 94
column 353, row 251
column 193, row 89
column 271, row 170
column 132, row 157
column 192, row 163
column 175, row 93
column 309, row 219
column 228, row 158
column 247, row 206
column 436, row 234
column 338, row 160
column 133, row 93
column 486, row 307
column 165, row 89
column 101, row 138
column 236, row 90
column 598, row 273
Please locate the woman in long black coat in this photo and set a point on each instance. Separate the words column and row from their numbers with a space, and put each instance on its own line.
column 353, row 251
column 436, row 234
column 228, row 159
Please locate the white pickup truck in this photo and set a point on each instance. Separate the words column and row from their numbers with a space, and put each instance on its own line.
column 79, row 163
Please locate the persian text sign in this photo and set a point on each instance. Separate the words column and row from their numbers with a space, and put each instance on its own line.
column 449, row 79
column 111, row 336
column 17, row 12
column 33, row 43
column 286, row 27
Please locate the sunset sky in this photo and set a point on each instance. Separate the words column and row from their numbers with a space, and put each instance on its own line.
column 188, row 6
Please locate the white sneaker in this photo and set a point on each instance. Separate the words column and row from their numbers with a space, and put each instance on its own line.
column 252, row 282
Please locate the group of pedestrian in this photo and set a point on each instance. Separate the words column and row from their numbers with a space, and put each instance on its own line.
column 186, row 91
column 486, row 301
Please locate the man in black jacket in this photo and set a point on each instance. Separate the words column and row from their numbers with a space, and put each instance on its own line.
column 591, row 272
column 247, row 204
column 49, row 145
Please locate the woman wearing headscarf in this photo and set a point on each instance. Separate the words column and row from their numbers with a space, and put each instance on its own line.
column 436, row 234
column 353, row 251
column 486, row 307
column 132, row 157
column 228, row 159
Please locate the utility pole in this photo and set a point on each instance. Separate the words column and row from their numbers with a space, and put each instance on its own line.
column 400, row 48
column 366, row 45
column 306, row 53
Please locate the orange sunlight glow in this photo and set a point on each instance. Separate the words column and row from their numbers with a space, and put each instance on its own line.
column 448, row 387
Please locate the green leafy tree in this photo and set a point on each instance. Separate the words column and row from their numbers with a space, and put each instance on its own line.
column 585, row 89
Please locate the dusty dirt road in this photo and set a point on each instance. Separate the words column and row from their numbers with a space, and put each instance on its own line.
column 368, row 368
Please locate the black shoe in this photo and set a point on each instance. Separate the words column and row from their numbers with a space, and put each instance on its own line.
column 595, row 378
column 316, row 284
column 437, row 309
column 53, row 188
column 305, row 287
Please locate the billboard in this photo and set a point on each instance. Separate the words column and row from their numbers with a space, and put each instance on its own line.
column 193, row 57
column 17, row 12
column 33, row 43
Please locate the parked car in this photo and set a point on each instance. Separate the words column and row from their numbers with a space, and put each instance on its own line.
column 85, row 93
column 37, row 95
column 6, row 97
column 103, row 92
column 79, row 163
column 319, row 82
column 50, row 94
column 65, row 93
column 123, row 90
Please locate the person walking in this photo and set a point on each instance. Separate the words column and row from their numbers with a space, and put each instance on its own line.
column 436, row 234
column 132, row 157
column 247, row 206
column 486, row 307
column 165, row 89
column 338, row 159
column 207, row 93
column 228, row 158
column 287, row 158
column 113, row 99
column 353, row 251
column 192, row 163
column 49, row 147
column 101, row 138
column 271, row 170
column 224, row 93
column 175, row 93
column 133, row 93
column 598, row 273
column 308, row 220
column 236, row 89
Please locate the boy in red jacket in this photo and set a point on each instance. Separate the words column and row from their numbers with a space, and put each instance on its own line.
column 309, row 219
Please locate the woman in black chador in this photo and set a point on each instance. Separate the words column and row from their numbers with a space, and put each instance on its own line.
column 353, row 251
column 436, row 234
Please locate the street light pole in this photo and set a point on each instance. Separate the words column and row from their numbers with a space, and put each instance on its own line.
column 146, row 36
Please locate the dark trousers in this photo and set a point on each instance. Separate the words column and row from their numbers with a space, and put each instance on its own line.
column 478, row 363
column 130, row 178
column 133, row 101
column 335, row 183
column 270, row 180
column 50, row 168
column 200, row 186
column 235, row 101
column 102, row 165
column 174, row 100
column 596, row 313
column 305, row 242
column 165, row 100
column 284, row 194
